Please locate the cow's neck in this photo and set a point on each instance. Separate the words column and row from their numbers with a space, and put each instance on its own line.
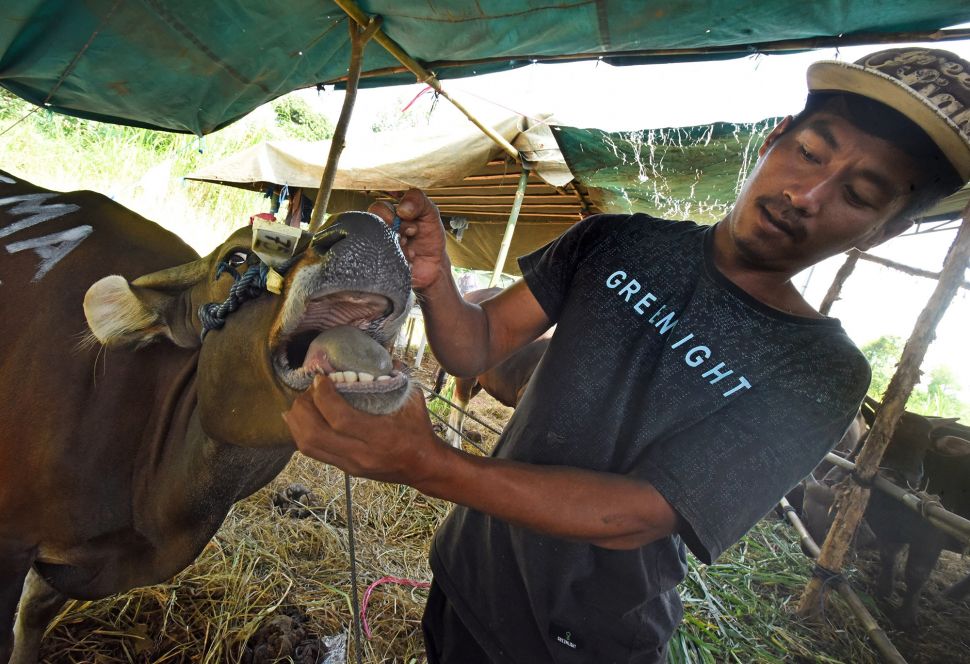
column 188, row 481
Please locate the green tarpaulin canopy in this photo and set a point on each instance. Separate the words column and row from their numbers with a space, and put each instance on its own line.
column 192, row 66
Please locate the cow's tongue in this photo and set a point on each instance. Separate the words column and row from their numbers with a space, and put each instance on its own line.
column 346, row 348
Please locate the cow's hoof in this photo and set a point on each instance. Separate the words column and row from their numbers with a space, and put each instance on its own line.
column 905, row 620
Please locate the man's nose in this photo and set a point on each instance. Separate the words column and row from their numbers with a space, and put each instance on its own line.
column 807, row 196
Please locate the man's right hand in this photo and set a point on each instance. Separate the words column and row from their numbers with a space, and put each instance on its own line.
column 422, row 236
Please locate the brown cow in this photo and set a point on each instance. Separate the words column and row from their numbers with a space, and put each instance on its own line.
column 506, row 381
column 120, row 459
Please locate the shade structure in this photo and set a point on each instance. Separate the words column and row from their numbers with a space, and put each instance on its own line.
column 190, row 66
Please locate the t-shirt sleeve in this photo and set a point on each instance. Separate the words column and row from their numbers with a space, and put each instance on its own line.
column 725, row 473
column 548, row 271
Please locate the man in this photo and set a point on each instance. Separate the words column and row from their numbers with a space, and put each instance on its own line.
column 688, row 385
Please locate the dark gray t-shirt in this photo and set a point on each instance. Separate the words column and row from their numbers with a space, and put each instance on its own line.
column 660, row 369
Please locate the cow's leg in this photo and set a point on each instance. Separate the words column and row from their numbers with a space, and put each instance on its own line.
column 920, row 562
column 888, row 552
column 959, row 590
column 14, row 564
column 455, row 420
column 460, row 397
column 38, row 606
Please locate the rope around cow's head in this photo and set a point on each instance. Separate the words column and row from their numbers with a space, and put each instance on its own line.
column 249, row 285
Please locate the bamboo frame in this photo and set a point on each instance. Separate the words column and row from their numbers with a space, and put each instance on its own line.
column 914, row 271
column 359, row 36
column 422, row 74
column 875, row 633
column 832, row 295
column 852, row 503
column 950, row 523
column 503, row 250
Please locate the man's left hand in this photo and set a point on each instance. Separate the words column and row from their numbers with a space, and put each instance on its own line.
column 399, row 448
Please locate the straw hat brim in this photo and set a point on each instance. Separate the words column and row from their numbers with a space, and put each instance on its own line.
column 832, row 75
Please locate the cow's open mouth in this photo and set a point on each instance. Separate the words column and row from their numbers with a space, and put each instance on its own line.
column 340, row 335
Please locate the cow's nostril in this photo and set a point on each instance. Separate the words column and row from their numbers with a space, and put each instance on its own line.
column 325, row 240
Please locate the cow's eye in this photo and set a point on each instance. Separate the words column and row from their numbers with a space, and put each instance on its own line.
column 237, row 258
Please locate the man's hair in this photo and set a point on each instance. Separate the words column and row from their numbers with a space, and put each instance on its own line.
column 939, row 177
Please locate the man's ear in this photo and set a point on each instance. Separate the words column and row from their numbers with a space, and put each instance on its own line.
column 887, row 231
column 775, row 134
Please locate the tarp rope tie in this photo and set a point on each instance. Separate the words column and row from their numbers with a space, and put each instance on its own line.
column 251, row 284
column 382, row 580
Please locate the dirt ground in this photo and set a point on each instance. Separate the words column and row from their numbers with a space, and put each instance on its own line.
column 943, row 635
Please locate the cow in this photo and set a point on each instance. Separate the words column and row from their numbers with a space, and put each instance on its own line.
column 129, row 429
column 506, row 381
column 925, row 453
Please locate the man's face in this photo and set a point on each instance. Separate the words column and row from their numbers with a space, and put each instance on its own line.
column 818, row 190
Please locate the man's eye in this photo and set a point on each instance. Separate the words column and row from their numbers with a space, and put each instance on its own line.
column 237, row 258
column 855, row 199
column 807, row 154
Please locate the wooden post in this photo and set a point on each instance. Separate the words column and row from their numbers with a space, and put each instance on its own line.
column 503, row 250
column 854, row 494
column 359, row 36
column 852, row 257
column 423, row 75
column 914, row 271
column 875, row 633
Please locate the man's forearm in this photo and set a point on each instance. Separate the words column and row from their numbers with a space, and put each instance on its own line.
column 608, row 510
column 456, row 330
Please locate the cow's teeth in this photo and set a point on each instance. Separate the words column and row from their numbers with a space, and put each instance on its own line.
column 337, row 376
column 380, row 378
column 350, row 376
column 365, row 377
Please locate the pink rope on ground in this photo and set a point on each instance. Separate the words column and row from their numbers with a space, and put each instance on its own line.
column 370, row 589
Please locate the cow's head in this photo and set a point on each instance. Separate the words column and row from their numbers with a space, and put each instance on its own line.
column 913, row 437
column 342, row 302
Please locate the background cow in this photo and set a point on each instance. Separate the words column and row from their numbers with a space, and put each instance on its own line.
column 506, row 381
column 925, row 453
column 122, row 452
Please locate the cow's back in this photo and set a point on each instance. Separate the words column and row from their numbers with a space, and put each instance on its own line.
column 73, row 413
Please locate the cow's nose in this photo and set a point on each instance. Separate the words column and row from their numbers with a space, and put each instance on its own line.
column 361, row 225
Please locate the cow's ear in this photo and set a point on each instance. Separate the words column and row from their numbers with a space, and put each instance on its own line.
column 149, row 308
column 951, row 446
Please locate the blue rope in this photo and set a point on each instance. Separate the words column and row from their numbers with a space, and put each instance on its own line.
column 246, row 287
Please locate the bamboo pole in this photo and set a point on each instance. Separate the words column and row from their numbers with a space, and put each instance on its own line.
column 359, row 36
column 913, row 271
column 852, row 501
column 875, row 633
column 503, row 250
column 781, row 46
column 832, row 294
column 422, row 74
column 940, row 517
